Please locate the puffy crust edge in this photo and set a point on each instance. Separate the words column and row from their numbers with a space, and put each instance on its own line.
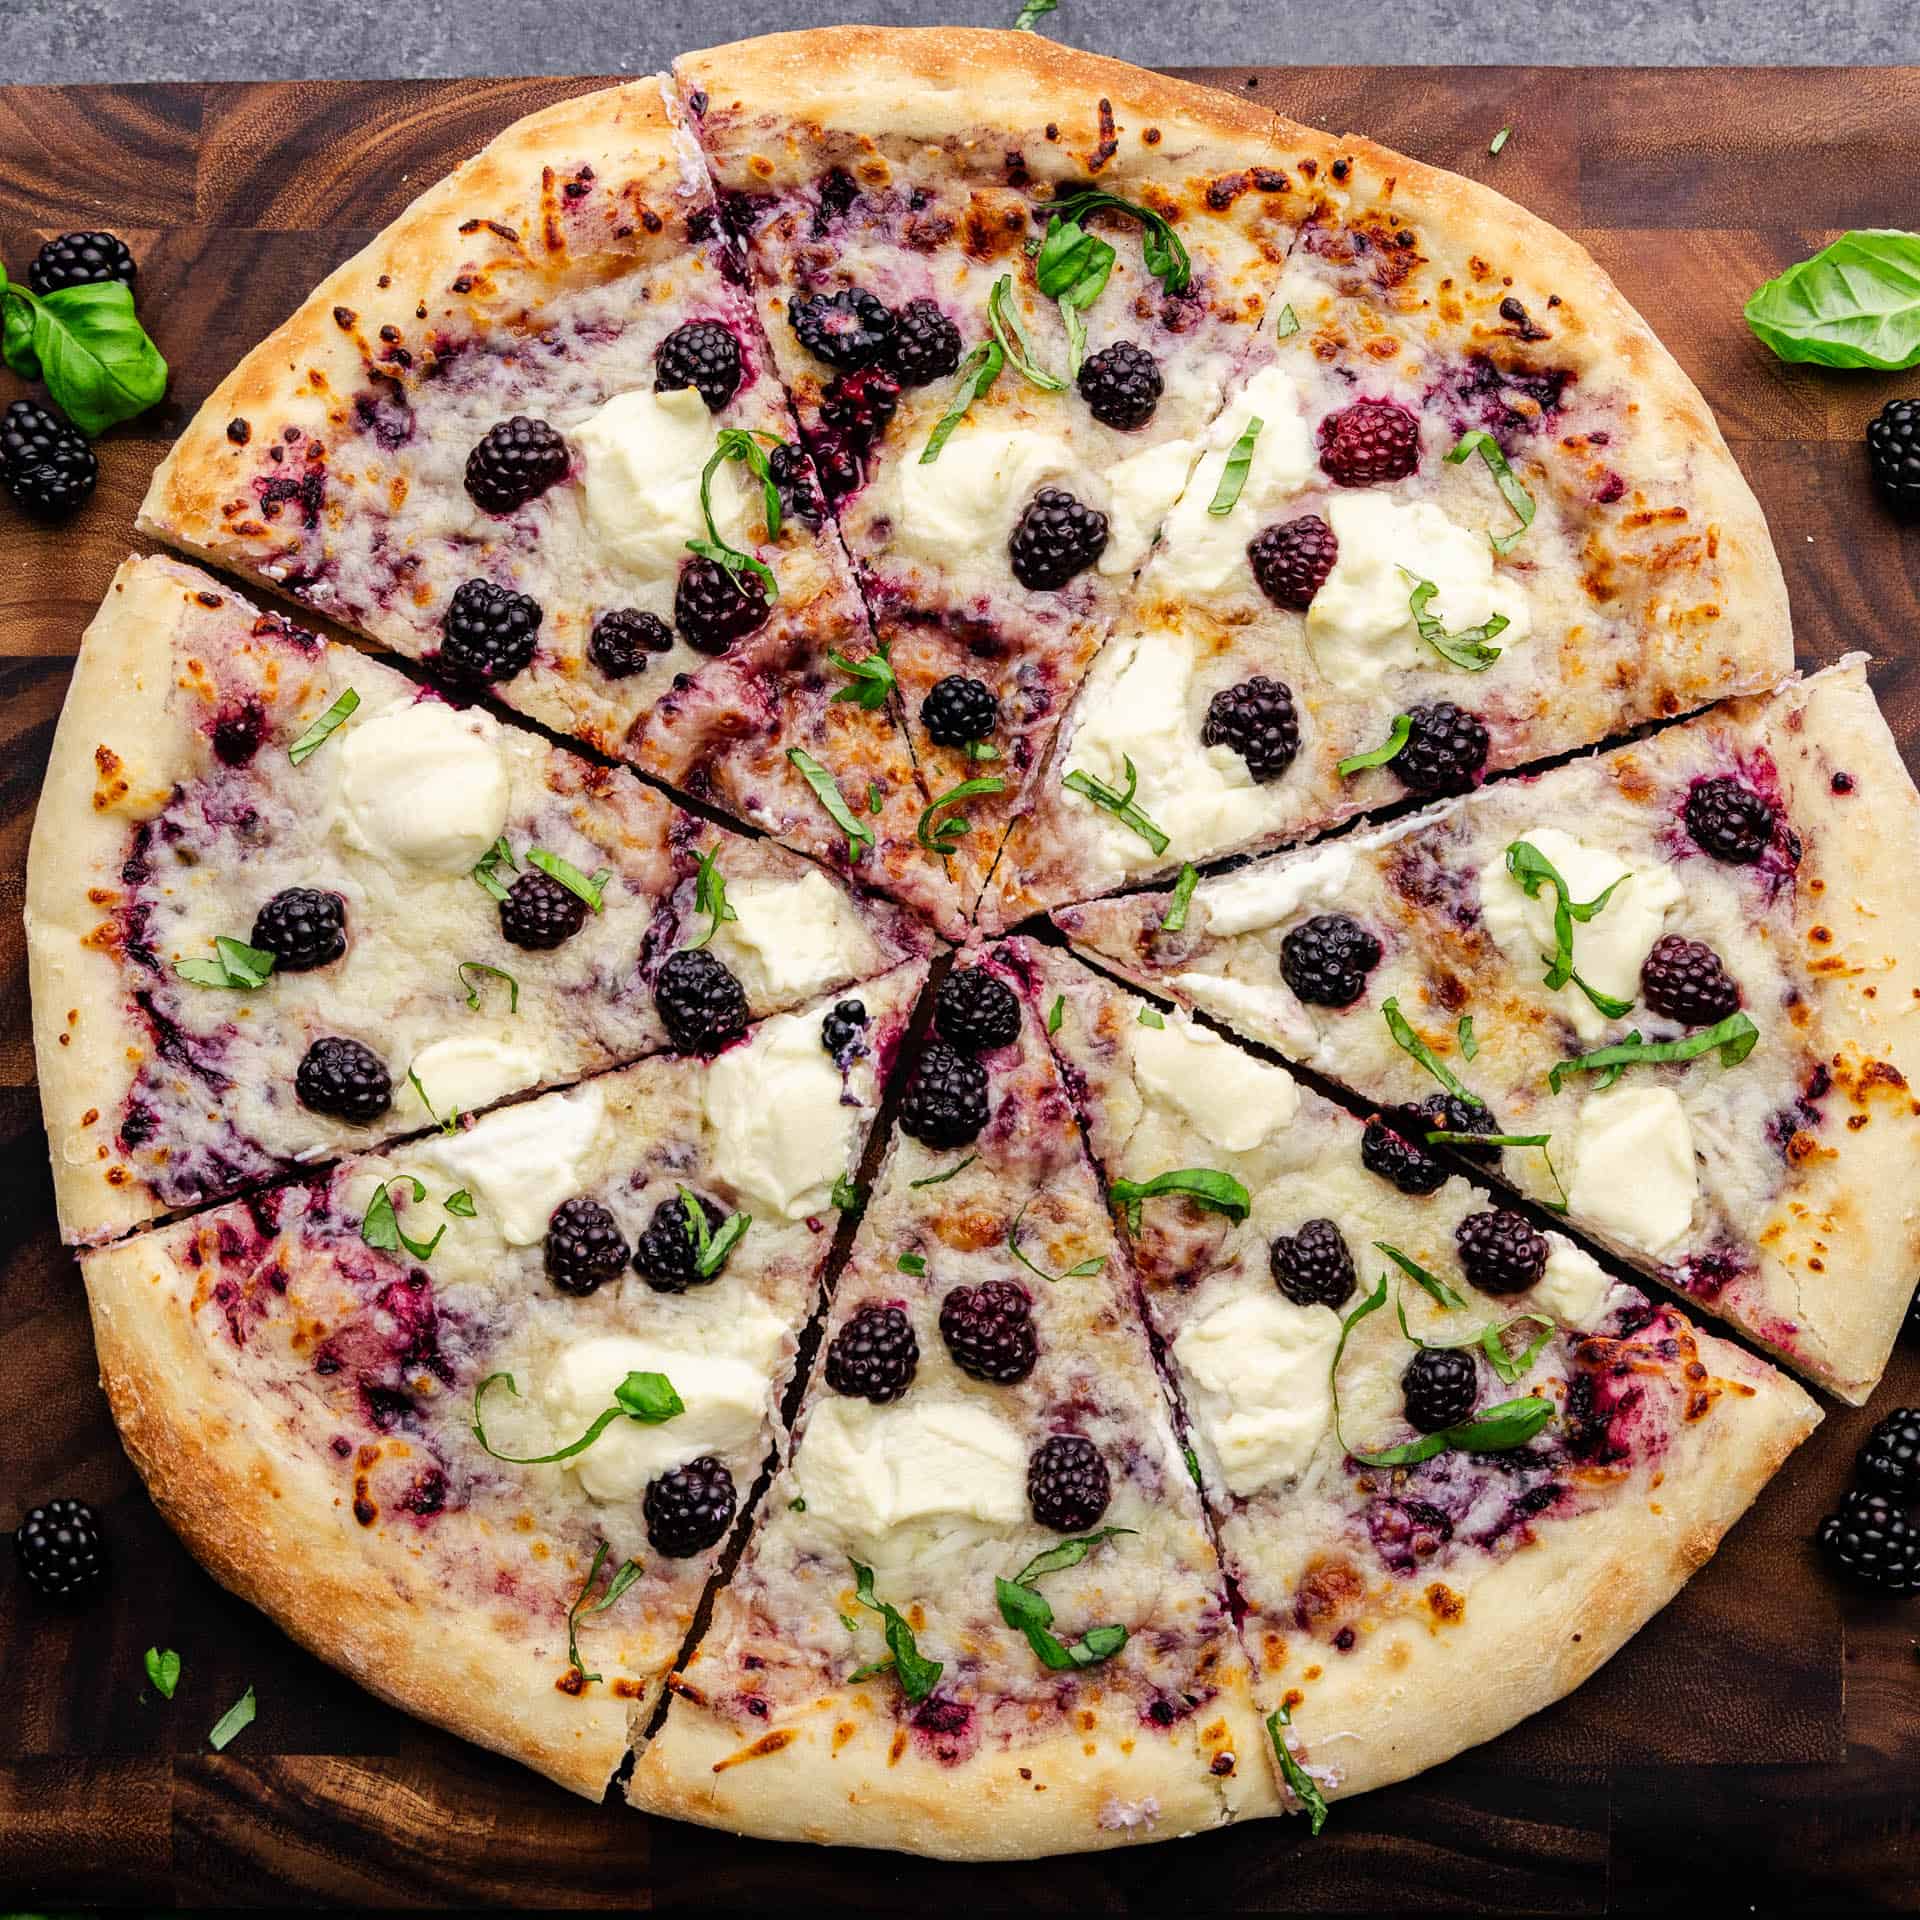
column 1541, row 1623
column 1066, row 1793
column 266, row 1523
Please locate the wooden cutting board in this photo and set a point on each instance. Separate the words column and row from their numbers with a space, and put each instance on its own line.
column 1759, row 1742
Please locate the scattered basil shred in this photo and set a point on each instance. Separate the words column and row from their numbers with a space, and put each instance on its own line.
column 163, row 1670
column 380, row 1225
column 1176, row 915
column 1233, row 476
column 235, row 1721
column 647, row 1398
column 1081, row 1270
column 1120, row 805
column 1478, row 440
column 1300, row 1783
column 1398, row 734
column 481, row 967
column 1732, row 1038
column 918, row 1676
column 317, row 735
column 1468, row 649
column 944, row 836
column 624, row 1577
column 827, row 791
column 1206, row 1187
column 978, row 371
column 236, row 965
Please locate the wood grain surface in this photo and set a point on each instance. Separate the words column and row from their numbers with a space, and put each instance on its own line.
column 1758, row 1744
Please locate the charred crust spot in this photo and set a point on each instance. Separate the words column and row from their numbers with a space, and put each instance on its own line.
column 1109, row 142
column 345, row 319
column 1446, row 1606
column 573, row 1682
column 1341, row 168
column 239, row 431
column 1270, row 180
column 494, row 227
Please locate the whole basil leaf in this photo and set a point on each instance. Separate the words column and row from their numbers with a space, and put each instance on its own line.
column 1854, row 304
column 16, row 333
column 99, row 365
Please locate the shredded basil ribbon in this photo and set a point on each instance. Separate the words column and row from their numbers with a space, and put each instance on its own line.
column 710, row 896
column 1397, row 737
column 570, row 876
column 870, row 678
column 498, row 973
column 978, row 371
column 627, row 1574
column 1469, row 1046
column 648, row 1398
column 1033, row 12
column 1494, row 145
column 1467, row 649
column 1176, row 916
column 1429, row 1283
column 1024, row 1609
column 918, row 1676
column 1733, row 1038
column 711, row 1248
column 1205, row 1186
column 1082, row 1270
column 487, row 869
column 1165, row 255
column 1150, row 1017
column 736, row 443
column 1478, row 440
column 944, row 837
column 941, row 1179
column 380, row 1226
column 238, row 965
column 163, row 1669
column 235, row 1720
column 1532, row 870
column 1492, row 1341
column 1120, row 805
column 1300, row 1782
column 1011, row 336
column 451, row 1124
column 1233, row 476
column 1055, row 1011
column 827, row 791
column 1410, row 1042
column 913, row 1263
column 1287, row 323
column 315, row 737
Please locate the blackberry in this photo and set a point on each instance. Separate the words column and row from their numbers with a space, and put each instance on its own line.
column 48, row 467
column 1870, row 1539
column 701, row 1003
column 1499, row 1252
column 515, row 461
column 1121, row 385
column 1891, row 1457
column 945, row 1105
column 797, row 484
column 1440, row 1385
column 958, row 710
column 60, row 1549
column 1369, row 443
column 1291, row 560
column 341, row 1077
column 702, row 355
column 989, row 1331
column 1686, row 981
column 687, row 1510
column 713, row 606
column 1893, row 454
column 81, row 260
column 1055, row 538
column 622, row 639
column 975, row 1012
column 1729, row 820
column 584, row 1245
column 875, row 1355
column 1257, row 720
column 926, row 344
column 1313, row 1267
column 1446, row 748
column 1067, row 1484
column 1393, row 1144
column 302, row 927
column 843, row 1032
column 1326, row 960
column 859, row 407
column 488, row 632
column 665, row 1256
column 848, row 330
column 539, row 913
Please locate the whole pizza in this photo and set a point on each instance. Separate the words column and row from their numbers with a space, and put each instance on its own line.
column 622, row 1197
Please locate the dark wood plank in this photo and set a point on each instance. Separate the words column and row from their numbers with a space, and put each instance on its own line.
column 1690, row 188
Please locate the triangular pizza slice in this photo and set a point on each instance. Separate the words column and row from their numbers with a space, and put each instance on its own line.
column 531, row 436
column 1453, row 1464
column 1488, row 519
column 473, row 1419
column 982, row 1615
column 1681, row 968
column 283, row 903
column 1007, row 285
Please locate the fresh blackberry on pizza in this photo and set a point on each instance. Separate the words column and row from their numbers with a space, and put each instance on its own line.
column 283, row 904
column 526, row 436
column 1485, row 519
column 411, row 1409
column 1452, row 1464
column 1009, row 285
column 1682, row 962
column 981, row 1615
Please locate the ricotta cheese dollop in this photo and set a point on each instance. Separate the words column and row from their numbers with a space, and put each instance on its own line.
column 1273, row 891
column 1234, row 1099
column 522, row 1162
column 1259, row 1375
column 783, row 1129
column 963, row 505
column 1634, row 1174
column 423, row 788
column 790, row 937
column 462, row 1072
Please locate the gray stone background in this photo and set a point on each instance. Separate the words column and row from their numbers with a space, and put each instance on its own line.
column 72, row 40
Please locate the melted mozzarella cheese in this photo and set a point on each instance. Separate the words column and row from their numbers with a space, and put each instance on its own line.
column 1608, row 949
column 1635, row 1178
column 1259, row 1378
column 1361, row 624
column 643, row 454
column 1234, row 1099
column 784, row 1128
column 422, row 787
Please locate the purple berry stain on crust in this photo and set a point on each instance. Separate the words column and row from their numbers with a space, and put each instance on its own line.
column 946, row 1728
column 237, row 733
column 1505, row 401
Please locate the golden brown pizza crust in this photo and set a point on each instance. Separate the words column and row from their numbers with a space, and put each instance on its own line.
column 1463, row 1667
column 844, row 1774
column 482, row 248
column 268, row 1523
